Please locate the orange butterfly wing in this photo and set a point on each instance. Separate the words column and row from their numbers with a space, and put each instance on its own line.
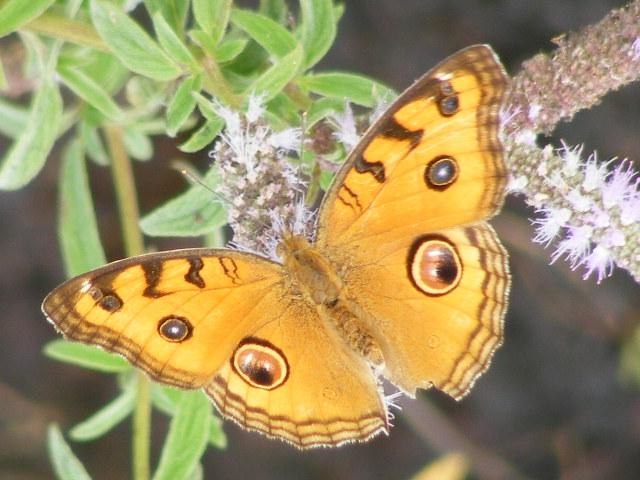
column 434, row 295
column 227, row 321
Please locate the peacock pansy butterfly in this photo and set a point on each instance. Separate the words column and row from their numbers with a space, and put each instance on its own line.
column 404, row 279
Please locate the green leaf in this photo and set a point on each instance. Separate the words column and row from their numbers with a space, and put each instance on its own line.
column 282, row 106
column 230, row 49
column 137, row 144
column 323, row 108
column 187, row 437
column 90, row 91
column 217, row 437
column 203, row 136
column 65, row 464
column 94, row 148
column 14, row 118
column 85, row 356
column 174, row 12
column 107, row 417
column 318, row 29
column 15, row 13
column 272, row 36
column 77, row 227
column 29, row 152
column 271, row 82
column 171, row 43
column 182, row 104
column 166, row 400
column 212, row 16
column 346, row 86
column 275, row 9
column 194, row 212
column 131, row 44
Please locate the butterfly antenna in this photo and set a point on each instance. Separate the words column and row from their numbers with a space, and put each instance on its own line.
column 194, row 179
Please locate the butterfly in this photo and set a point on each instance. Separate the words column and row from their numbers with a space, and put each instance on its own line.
column 405, row 280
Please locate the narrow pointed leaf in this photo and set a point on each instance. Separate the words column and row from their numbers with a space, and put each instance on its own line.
column 86, row 356
column 275, row 9
column 212, row 16
column 182, row 104
column 77, row 226
column 138, row 145
column 230, row 49
column 29, row 152
column 271, row 82
column 187, row 437
column 203, row 136
column 131, row 44
column 174, row 11
column 323, row 108
column 106, row 418
column 170, row 41
column 93, row 145
column 272, row 36
column 166, row 400
column 318, row 29
column 15, row 13
column 65, row 464
column 90, row 91
column 347, row 86
column 193, row 213
column 14, row 118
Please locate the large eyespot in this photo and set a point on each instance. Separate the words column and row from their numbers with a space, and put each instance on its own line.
column 260, row 364
column 434, row 265
column 441, row 172
column 175, row 329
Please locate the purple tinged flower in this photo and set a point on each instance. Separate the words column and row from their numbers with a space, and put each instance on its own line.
column 600, row 262
column 345, row 125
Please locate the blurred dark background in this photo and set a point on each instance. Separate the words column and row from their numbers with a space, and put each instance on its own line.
column 553, row 405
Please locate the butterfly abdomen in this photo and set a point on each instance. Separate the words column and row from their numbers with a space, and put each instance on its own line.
column 353, row 331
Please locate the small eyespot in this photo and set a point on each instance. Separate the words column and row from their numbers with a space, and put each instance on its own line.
column 446, row 88
column 441, row 172
column 110, row 303
column 449, row 105
column 260, row 364
column 175, row 329
column 105, row 299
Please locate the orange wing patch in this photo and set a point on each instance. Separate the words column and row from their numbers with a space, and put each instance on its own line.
column 452, row 112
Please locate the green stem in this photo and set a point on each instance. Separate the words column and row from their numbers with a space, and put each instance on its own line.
column 126, row 198
column 125, row 188
column 215, row 83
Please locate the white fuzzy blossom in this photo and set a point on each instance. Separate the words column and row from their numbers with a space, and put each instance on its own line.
column 263, row 192
column 345, row 127
column 590, row 210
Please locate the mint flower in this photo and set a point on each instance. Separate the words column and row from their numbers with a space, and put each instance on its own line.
column 263, row 192
column 589, row 210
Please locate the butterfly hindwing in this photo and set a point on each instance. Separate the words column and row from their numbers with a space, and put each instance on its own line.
column 321, row 394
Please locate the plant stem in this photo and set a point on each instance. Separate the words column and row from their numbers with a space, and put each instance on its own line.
column 125, row 189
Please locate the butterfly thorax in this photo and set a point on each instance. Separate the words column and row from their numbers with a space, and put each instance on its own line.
column 311, row 273
column 314, row 276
